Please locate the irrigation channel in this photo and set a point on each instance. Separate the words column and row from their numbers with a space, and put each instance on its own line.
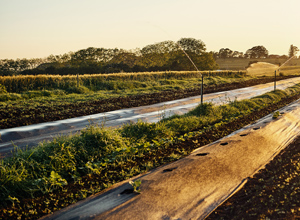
column 31, row 135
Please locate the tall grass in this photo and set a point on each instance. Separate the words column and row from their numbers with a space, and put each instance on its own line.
column 94, row 90
column 98, row 81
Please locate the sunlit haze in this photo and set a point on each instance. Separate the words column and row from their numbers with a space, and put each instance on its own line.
column 36, row 29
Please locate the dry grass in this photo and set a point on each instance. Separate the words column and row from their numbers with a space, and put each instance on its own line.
column 242, row 64
column 29, row 82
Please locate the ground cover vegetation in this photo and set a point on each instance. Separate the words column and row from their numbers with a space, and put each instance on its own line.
column 44, row 179
column 120, row 91
column 95, row 82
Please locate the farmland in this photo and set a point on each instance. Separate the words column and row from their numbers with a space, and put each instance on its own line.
column 243, row 64
column 56, row 174
column 44, row 105
column 69, row 169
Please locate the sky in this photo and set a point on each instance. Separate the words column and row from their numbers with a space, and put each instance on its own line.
column 39, row 28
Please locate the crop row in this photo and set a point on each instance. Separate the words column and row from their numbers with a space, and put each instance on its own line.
column 99, row 81
column 15, row 115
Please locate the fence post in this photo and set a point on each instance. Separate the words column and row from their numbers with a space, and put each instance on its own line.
column 202, row 90
column 275, row 81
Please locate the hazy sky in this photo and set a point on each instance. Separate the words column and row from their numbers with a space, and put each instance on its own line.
column 38, row 28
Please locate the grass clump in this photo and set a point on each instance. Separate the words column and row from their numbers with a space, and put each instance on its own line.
column 51, row 165
column 276, row 114
column 9, row 97
column 2, row 89
column 143, row 131
column 202, row 110
column 78, row 90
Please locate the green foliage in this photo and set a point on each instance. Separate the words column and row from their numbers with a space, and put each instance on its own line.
column 136, row 185
column 78, row 90
column 181, row 125
column 98, row 143
column 34, row 94
column 18, row 84
column 257, row 52
column 2, row 89
column 9, row 97
column 192, row 45
column 245, row 105
column 144, row 131
column 49, row 184
column 204, row 109
column 276, row 114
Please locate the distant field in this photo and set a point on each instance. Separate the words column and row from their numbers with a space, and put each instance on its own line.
column 242, row 64
column 262, row 67
column 96, row 82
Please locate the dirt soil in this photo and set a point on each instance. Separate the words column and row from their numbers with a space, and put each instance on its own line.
column 273, row 193
column 15, row 116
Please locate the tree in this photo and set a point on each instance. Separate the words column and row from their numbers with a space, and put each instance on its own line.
column 159, row 48
column 125, row 57
column 257, row 52
column 225, row 53
column 293, row 50
column 195, row 49
column 238, row 54
column 205, row 61
column 192, row 45
column 92, row 56
column 157, row 55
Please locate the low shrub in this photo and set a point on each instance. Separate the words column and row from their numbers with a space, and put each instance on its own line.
column 143, row 131
column 2, row 89
column 181, row 125
column 202, row 110
column 9, row 97
column 78, row 90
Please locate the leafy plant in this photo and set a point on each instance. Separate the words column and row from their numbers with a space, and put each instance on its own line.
column 78, row 90
column 144, row 131
column 2, row 89
column 204, row 109
column 276, row 114
column 136, row 185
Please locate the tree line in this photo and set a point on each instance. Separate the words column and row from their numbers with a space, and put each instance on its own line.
column 162, row 56
column 255, row 52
